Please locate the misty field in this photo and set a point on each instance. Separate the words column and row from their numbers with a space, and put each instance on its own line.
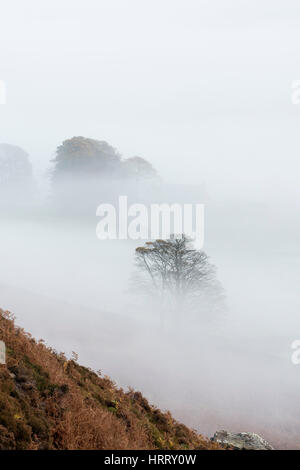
column 232, row 371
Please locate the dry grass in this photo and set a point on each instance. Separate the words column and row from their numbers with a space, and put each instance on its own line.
column 49, row 402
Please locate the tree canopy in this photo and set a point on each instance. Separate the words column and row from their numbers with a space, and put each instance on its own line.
column 81, row 157
column 174, row 273
column 138, row 167
column 15, row 167
column 17, row 183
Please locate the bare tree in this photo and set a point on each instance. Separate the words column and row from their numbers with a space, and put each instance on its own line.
column 176, row 275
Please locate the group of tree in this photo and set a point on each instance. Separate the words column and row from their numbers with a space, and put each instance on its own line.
column 87, row 172
column 83, row 157
column 84, row 173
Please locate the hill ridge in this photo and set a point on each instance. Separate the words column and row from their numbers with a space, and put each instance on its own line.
column 50, row 402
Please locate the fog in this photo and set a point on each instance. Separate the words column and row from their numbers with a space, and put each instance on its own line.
column 202, row 90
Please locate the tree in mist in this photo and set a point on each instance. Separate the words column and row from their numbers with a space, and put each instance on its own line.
column 14, row 165
column 17, row 184
column 176, row 275
column 87, row 172
column 137, row 167
column 80, row 157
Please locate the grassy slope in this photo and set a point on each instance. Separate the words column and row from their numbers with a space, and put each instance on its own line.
column 49, row 402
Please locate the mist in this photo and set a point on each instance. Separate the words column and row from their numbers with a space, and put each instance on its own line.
column 206, row 100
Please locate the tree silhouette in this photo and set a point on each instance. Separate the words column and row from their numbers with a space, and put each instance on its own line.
column 176, row 275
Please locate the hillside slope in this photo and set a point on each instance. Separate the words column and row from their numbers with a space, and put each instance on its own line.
column 49, row 402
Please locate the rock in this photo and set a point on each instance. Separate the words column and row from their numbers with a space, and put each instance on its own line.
column 241, row 441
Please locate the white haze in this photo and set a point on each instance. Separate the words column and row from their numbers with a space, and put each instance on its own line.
column 202, row 90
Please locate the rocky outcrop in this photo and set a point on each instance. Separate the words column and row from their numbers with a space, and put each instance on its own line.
column 241, row 441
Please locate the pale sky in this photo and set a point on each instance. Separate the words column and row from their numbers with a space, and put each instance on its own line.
column 200, row 88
